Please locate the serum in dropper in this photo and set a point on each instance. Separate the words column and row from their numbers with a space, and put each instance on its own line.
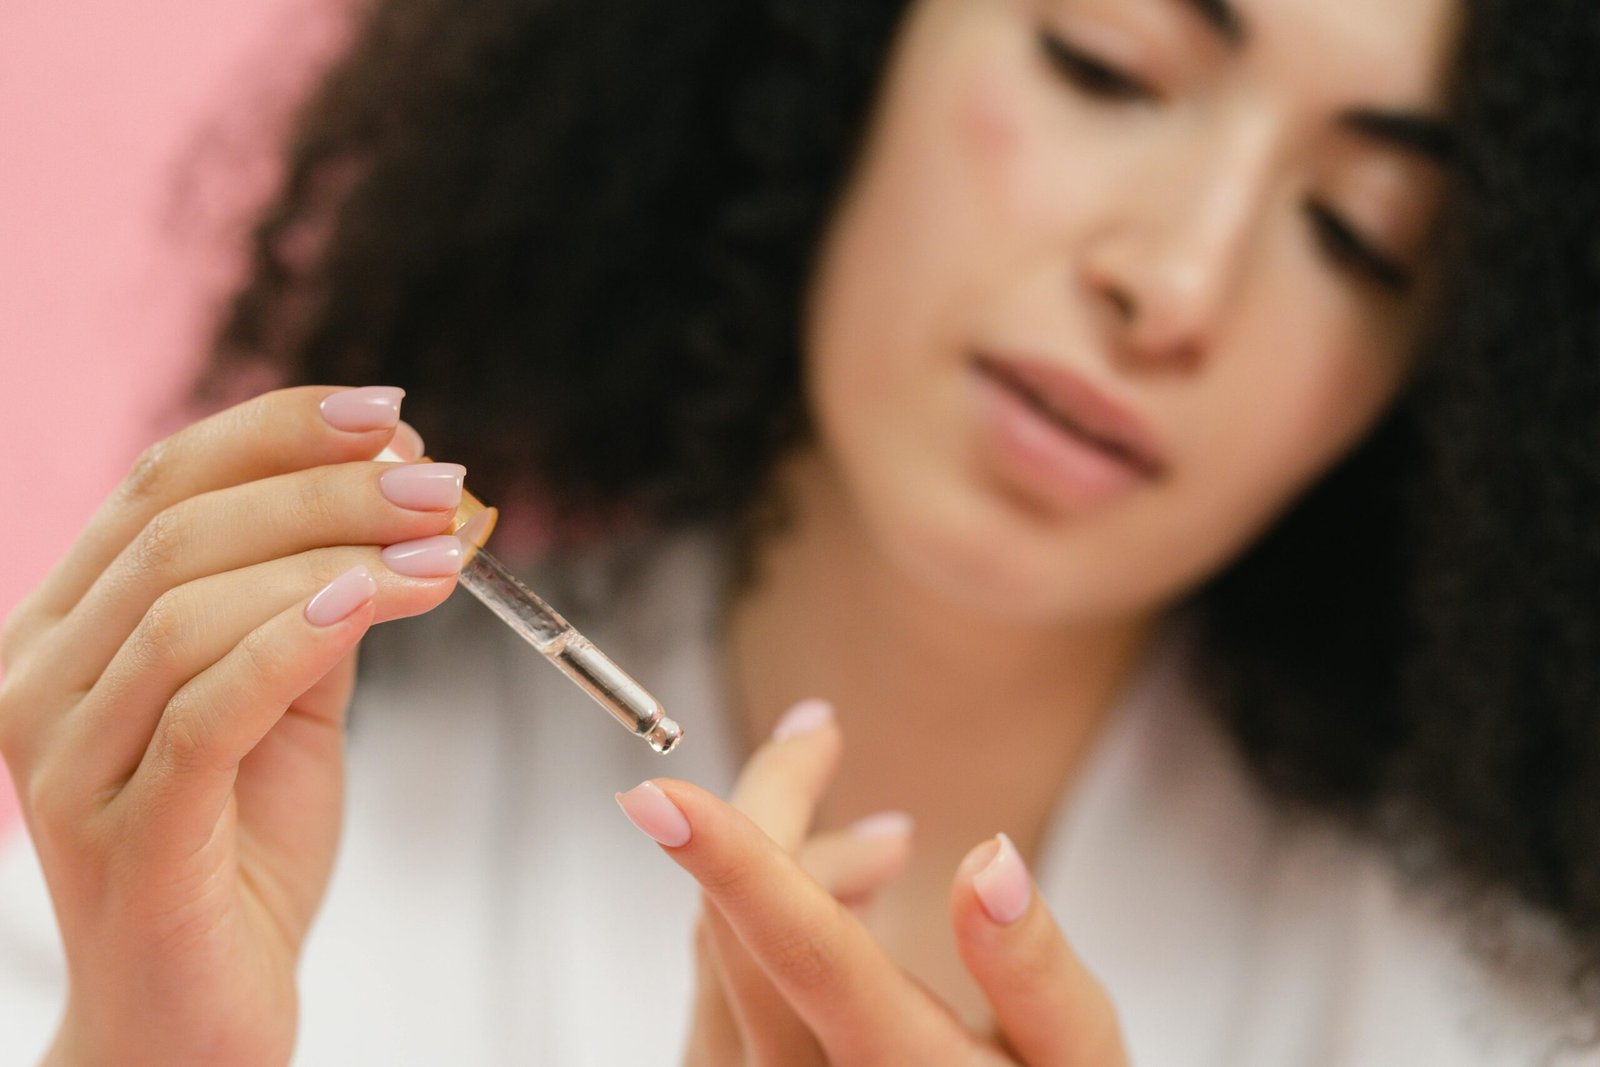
column 537, row 623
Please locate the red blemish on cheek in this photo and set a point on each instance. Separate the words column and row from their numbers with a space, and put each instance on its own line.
column 991, row 119
column 994, row 134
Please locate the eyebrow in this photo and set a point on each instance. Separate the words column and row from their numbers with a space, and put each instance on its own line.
column 1420, row 135
column 1223, row 18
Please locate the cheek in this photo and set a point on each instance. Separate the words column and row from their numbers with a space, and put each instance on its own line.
column 1010, row 152
column 1310, row 361
column 928, row 228
column 989, row 125
column 1282, row 420
column 1322, row 377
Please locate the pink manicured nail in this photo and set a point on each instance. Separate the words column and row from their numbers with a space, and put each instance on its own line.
column 1003, row 885
column 341, row 596
column 426, row 557
column 407, row 442
column 648, row 808
column 423, row 486
column 372, row 407
column 803, row 718
column 884, row 824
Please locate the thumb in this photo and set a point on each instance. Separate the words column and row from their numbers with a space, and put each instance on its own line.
column 1049, row 1008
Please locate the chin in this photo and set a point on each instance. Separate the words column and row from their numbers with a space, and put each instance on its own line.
column 993, row 562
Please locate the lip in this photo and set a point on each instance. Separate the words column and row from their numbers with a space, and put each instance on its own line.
column 1114, row 427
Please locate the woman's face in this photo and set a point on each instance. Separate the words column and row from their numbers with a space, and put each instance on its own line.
column 1116, row 280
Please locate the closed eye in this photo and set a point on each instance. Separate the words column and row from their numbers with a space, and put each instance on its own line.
column 1351, row 251
column 1091, row 75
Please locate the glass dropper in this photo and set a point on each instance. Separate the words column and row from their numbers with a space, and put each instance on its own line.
column 542, row 627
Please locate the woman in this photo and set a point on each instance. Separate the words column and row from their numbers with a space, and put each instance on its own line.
column 1162, row 430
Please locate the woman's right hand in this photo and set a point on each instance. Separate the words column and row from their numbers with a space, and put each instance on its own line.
column 173, row 704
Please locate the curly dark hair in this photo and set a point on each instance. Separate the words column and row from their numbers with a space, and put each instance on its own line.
column 579, row 233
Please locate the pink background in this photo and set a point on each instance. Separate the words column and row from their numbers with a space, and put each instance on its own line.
column 129, row 134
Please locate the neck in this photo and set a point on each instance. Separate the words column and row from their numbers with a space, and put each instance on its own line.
column 934, row 700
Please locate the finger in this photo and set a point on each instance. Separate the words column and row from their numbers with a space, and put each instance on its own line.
column 851, row 864
column 1048, row 1006
column 827, row 966
column 714, row 1039
column 193, row 626
column 330, row 696
column 277, row 432
column 779, row 790
column 857, row 862
column 770, row 1032
column 186, row 777
column 407, row 442
column 234, row 527
column 784, row 780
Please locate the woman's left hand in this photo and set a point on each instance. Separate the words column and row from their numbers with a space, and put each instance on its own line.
column 789, row 975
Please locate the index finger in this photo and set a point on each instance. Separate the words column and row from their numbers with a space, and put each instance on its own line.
column 274, row 433
column 856, row 1000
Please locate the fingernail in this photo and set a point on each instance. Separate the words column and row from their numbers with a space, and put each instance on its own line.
column 372, row 407
column 884, row 824
column 407, row 442
column 1003, row 886
column 648, row 808
column 423, row 486
column 803, row 718
column 341, row 596
column 426, row 557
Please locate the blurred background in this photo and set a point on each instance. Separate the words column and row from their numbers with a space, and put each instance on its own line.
column 133, row 139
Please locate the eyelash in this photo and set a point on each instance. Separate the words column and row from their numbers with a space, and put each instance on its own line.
column 1347, row 248
column 1339, row 241
column 1090, row 74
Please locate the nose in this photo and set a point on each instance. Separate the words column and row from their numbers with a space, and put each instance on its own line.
column 1171, row 255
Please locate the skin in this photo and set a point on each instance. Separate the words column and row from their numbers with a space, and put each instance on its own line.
column 1159, row 247
column 795, row 979
column 174, row 721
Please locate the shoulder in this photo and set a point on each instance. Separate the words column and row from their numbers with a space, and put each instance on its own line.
column 1407, row 969
column 1222, row 920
